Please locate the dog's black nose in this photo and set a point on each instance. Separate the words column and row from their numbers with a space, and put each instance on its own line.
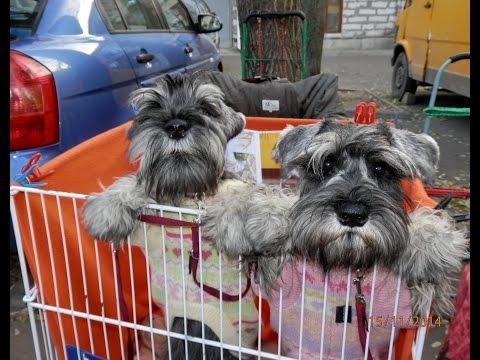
column 176, row 128
column 352, row 213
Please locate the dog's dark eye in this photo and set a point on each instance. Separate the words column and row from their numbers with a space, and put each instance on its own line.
column 328, row 165
column 327, row 168
column 379, row 169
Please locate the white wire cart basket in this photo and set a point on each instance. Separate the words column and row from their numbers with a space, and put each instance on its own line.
column 89, row 301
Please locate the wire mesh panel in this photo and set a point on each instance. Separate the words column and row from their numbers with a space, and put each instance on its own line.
column 92, row 301
column 286, row 58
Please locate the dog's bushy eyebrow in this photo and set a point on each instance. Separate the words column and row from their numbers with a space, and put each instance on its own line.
column 209, row 97
column 293, row 142
column 147, row 98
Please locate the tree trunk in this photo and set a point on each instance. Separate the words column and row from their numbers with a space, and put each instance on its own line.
column 267, row 38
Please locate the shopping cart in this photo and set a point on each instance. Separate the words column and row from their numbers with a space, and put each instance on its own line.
column 94, row 302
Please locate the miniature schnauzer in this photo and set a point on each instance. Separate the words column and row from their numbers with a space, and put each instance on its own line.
column 179, row 136
column 351, row 208
column 349, row 212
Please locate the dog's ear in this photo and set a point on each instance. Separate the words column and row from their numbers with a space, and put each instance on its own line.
column 211, row 100
column 234, row 122
column 422, row 150
column 293, row 142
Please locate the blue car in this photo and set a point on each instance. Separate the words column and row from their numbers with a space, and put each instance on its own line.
column 73, row 64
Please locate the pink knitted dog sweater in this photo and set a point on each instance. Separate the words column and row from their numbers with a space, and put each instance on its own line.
column 290, row 282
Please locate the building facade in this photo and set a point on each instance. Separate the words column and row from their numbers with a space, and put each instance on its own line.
column 350, row 25
column 365, row 24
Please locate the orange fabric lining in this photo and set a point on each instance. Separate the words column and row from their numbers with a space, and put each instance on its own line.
column 81, row 170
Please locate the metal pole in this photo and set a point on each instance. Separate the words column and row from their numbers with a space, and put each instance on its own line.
column 304, row 71
column 244, row 51
column 23, row 268
column 433, row 96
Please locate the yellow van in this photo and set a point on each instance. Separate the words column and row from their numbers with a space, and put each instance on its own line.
column 428, row 33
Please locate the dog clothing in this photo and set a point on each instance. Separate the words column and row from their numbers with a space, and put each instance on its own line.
column 270, row 304
column 290, row 282
column 225, row 323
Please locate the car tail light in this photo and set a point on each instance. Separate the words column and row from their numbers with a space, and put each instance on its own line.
column 33, row 104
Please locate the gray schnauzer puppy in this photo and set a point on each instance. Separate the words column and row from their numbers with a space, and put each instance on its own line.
column 179, row 136
column 350, row 210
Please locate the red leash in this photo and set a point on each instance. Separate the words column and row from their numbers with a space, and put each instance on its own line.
column 360, row 307
column 194, row 253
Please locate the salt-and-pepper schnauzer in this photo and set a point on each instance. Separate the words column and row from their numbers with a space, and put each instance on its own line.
column 179, row 135
column 349, row 211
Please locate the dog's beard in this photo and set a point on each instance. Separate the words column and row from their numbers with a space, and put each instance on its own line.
column 172, row 169
column 318, row 235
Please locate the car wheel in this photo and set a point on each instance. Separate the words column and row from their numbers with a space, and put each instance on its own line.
column 403, row 86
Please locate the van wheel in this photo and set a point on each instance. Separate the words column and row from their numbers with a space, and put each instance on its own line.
column 403, row 86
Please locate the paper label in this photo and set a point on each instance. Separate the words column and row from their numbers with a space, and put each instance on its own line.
column 270, row 105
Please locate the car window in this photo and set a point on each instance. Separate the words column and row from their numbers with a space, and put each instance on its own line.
column 175, row 14
column 139, row 14
column 23, row 13
column 132, row 15
column 204, row 9
column 193, row 9
column 112, row 14
column 196, row 7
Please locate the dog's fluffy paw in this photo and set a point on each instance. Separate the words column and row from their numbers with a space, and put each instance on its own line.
column 433, row 257
column 441, row 295
column 251, row 221
column 107, row 220
column 111, row 215
column 268, row 269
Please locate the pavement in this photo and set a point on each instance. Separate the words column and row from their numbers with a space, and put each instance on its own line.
column 363, row 76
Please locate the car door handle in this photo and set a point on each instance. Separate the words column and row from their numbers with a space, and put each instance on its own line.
column 188, row 49
column 144, row 57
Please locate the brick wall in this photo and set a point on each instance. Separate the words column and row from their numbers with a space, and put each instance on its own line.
column 370, row 21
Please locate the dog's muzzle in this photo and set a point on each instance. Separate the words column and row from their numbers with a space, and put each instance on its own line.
column 351, row 213
column 176, row 128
